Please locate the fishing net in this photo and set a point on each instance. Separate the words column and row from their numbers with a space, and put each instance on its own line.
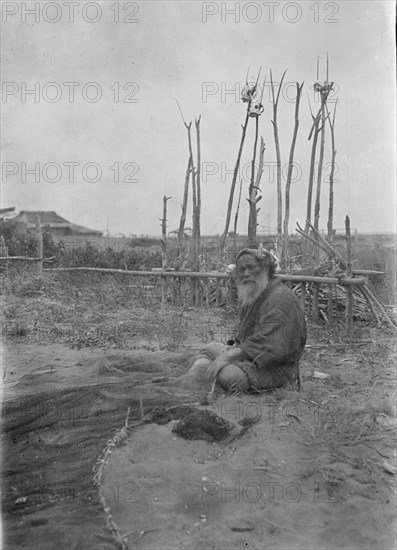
column 56, row 425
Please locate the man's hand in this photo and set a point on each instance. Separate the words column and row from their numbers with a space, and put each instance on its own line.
column 232, row 354
column 216, row 366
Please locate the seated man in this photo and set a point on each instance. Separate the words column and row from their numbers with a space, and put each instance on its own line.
column 271, row 336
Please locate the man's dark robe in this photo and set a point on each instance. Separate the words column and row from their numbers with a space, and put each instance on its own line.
column 272, row 333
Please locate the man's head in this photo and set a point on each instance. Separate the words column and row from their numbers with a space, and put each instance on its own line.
column 254, row 270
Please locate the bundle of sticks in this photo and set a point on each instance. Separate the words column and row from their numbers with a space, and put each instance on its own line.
column 362, row 294
column 331, row 301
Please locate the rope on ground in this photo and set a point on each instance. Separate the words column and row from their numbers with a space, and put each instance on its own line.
column 119, row 437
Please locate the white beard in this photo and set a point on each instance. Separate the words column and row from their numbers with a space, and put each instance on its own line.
column 248, row 292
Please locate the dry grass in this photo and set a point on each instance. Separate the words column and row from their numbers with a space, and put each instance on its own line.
column 91, row 310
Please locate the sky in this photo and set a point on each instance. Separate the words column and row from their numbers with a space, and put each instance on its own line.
column 91, row 128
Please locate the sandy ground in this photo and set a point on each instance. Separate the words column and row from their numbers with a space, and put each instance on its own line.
column 315, row 468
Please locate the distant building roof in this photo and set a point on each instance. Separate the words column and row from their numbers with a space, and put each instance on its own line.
column 7, row 212
column 46, row 217
column 53, row 220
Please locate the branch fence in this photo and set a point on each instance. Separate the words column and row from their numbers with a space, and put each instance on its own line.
column 323, row 297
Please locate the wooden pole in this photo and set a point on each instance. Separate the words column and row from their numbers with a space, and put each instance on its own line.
column 252, row 190
column 348, row 248
column 233, row 184
column 193, row 263
column 163, row 290
column 311, row 172
column 192, row 281
column 320, row 166
column 379, row 305
column 315, row 310
column 203, row 275
column 369, row 303
column 322, row 243
column 193, row 249
column 237, row 166
column 368, row 295
column 331, row 177
column 4, row 251
column 164, row 258
column 278, row 155
column 290, row 168
column 197, row 225
column 237, row 210
column 184, row 294
column 198, row 292
column 181, row 230
column 253, row 200
column 39, row 237
column 180, row 296
column 190, row 168
column 349, row 290
column 324, row 92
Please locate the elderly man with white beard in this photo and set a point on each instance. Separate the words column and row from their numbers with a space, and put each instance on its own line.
column 271, row 335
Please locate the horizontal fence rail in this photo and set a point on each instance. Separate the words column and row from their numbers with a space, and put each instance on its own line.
column 321, row 297
column 22, row 258
column 209, row 289
column 343, row 280
column 176, row 274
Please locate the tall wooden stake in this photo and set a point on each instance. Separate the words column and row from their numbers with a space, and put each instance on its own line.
column 278, row 154
column 181, row 230
column 233, row 185
column 290, row 168
column 248, row 99
column 237, row 210
column 164, row 258
column 311, row 173
column 331, row 178
column 192, row 170
column 254, row 199
column 251, row 189
column 193, row 250
column 320, row 166
column 348, row 289
column 197, row 217
column 39, row 237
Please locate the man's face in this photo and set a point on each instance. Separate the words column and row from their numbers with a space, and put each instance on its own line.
column 251, row 278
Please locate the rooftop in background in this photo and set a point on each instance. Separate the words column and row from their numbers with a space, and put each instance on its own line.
column 49, row 218
column 7, row 212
